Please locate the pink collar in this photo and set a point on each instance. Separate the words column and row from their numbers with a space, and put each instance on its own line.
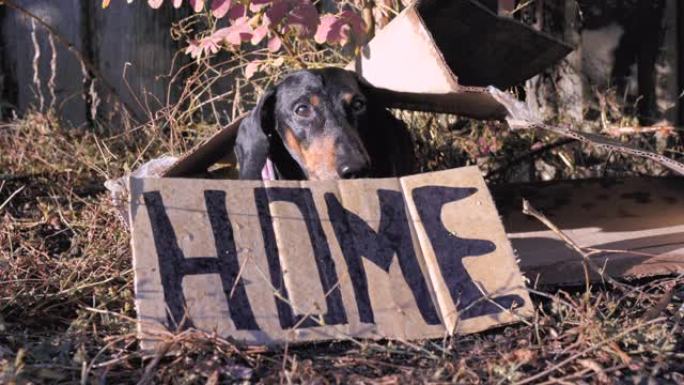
column 268, row 172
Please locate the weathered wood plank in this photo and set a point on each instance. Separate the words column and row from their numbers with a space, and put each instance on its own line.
column 20, row 64
column 108, row 39
column 136, row 34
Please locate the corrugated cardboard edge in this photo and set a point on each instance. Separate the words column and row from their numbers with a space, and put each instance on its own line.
column 409, row 28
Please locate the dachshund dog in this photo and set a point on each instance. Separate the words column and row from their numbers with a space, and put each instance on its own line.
column 322, row 124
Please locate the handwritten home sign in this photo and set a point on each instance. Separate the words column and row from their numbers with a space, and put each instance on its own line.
column 286, row 261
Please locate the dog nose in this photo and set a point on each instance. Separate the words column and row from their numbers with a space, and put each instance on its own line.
column 352, row 172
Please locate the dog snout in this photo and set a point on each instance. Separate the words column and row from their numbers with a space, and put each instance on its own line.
column 353, row 171
column 352, row 158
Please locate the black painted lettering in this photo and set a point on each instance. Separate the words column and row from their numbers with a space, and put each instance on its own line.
column 303, row 199
column 173, row 266
column 450, row 250
column 358, row 240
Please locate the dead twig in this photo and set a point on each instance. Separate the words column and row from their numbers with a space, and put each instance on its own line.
column 521, row 117
column 586, row 256
column 530, row 155
column 617, row 131
column 150, row 369
column 662, row 303
column 7, row 201
column 586, row 351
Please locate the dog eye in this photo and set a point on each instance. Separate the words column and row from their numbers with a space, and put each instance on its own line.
column 303, row 110
column 358, row 104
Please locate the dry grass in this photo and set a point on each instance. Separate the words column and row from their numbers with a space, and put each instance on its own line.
column 66, row 299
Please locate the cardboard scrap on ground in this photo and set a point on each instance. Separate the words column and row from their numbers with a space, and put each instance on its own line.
column 287, row 261
column 638, row 222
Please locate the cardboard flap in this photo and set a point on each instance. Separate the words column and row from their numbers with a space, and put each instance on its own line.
column 442, row 49
column 485, row 49
column 204, row 155
column 472, row 102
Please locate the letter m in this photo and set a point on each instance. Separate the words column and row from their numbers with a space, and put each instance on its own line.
column 358, row 240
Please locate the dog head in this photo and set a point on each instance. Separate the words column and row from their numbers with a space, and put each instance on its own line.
column 310, row 125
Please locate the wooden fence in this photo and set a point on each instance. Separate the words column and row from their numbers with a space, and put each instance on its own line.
column 72, row 55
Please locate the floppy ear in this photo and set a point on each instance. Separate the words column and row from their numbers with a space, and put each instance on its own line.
column 252, row 142
column 389, row 143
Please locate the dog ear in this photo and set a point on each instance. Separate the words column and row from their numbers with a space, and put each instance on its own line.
column 389, row 144
column 252, row 142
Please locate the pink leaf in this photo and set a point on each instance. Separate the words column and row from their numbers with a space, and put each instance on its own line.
column 259, row 34
column 221, row 33
column 251, row 68
column 219, row 8
column 276, row 12
column 155, row 3
column 355, row 22
column 303, row 16
column 274, row 44
column 237, row 11
column 193, row 49
column 197, row 5
column 327, row 29
column 177, row 3
column 207, row 45
column 340, row 29
column 238, row 32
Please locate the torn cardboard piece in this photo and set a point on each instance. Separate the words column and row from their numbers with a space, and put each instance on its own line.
column 276, row 262
column 438, row 55
column 639, row 221
column 497, row 105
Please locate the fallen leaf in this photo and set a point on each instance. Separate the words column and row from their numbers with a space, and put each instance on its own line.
column 259, row 34
column 596, row 368
column 523, row 355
